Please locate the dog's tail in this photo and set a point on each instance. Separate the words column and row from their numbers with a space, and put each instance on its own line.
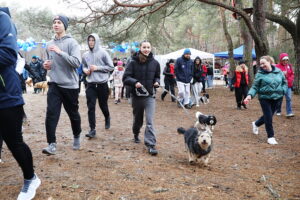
column 181, row 130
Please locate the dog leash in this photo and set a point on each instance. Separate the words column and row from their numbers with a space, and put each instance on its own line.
column 182, row 106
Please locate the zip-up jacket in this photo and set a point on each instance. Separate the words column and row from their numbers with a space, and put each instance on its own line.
column 10, row 85
column 184, row 70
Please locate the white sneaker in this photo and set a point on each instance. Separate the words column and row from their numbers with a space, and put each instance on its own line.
column 29, row 188
column 1, row 161
column 254, row 128
column 278, row 114
column 290, row 115
column 272, row 140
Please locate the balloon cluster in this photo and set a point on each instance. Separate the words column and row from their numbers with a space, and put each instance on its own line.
column 29, row 44
column 124, row 47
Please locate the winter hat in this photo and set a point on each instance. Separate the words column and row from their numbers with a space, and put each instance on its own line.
column 187, row 51
column 119, row 63
column 63, row 19
column 242, row 62
column 34, row 57
column 5, row 9
column 285, row 58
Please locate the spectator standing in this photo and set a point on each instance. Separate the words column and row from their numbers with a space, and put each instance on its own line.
column 169, row 80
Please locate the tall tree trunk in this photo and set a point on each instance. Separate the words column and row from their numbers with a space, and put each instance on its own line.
column 297, row 55
column 228, row 39
column 247, row 41
column 259, row 18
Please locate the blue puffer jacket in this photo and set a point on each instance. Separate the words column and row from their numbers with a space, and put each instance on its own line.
column 184, row 70
column 10, row 85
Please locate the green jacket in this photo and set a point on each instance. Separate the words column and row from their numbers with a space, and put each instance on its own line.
column 269, row 85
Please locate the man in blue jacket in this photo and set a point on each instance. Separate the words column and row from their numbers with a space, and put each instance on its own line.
column 184, row 75
column 11, row 106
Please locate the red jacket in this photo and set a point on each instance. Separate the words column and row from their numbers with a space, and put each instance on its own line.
column 238, row 77
column 287, row 69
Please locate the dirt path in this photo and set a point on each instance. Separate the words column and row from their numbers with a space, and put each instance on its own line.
column 242, row 165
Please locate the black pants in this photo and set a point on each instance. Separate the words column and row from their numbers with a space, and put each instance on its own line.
column 57, row 96
column 169, row 86
column 1, row 145
column 93, row 92
column 11, row 132
column 268, row 107
column 240, row 94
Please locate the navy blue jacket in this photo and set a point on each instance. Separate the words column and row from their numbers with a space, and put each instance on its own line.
column 184, row 70
column 10, row 85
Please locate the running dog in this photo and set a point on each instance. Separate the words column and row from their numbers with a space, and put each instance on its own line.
column 198, row 144
column 205, row 122
column 43, row 85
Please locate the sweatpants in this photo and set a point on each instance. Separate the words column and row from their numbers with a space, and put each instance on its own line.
column 141, row 105
column 93, row 92
column 196, row 91
column 183, row 92
column 118, row 90
column 240, row 94
column 56, row 97
column 11, row 133
column 268, row 107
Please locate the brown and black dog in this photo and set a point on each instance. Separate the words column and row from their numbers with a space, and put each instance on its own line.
column 29, row 82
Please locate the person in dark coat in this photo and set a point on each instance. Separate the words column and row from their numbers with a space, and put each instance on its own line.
column 169, row 80
column 37, row 69
column 11, row 106
column 143, row 75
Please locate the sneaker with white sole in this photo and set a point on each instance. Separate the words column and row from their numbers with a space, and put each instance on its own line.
column 272, row 140
column 278, row 114
column 254, row 128
column 50, row 150
column 290, row 115
column 29, row 188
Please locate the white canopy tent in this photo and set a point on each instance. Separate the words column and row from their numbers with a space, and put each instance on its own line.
column 162, row 59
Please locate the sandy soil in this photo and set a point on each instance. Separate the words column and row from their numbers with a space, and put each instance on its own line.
column 111, row 166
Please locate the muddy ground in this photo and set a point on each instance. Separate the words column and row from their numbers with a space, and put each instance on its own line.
column 111, row 166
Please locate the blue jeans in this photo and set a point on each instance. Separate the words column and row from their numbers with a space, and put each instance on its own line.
column 288, row 97
column 268, row 107
column 210, row 79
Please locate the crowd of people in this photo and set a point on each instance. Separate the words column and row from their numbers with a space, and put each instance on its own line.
column 138, row 76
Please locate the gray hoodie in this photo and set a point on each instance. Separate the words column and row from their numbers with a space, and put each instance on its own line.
column 63, row 66
column 99, row 57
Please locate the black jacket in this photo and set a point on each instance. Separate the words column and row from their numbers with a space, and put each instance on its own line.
column 146, row 73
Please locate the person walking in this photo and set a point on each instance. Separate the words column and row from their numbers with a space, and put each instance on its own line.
column 240, row 81
column 143, row 75
column 169, row 80
column 63, row 59
column 118, row 84
column 287, row 69
column 270, row 85
column 97, row 65
column 210, row 75
column 184, row 76
column 11, row 106
column 36, row 68
column 197, row 85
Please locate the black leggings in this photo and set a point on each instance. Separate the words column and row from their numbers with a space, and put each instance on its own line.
column 11, row 132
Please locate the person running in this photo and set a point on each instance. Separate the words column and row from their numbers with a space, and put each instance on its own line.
column 63, row 58
column 270, row 85
column 97, row 65
column 143, row 75
column 11, row 106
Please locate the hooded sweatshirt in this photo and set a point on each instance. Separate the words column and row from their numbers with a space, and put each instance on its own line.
column 63, row 66
column 10, row 86
column 286, row 68
column 99, row 57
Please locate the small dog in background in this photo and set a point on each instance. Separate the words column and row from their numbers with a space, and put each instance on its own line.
column 29, row 82
column 204, row 99
column 205, row 122
column 43, row 85
column 198, row 144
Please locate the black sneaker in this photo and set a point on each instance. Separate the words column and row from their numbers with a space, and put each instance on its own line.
column 107, row 123
column 136, row 139
column 91, row 134
column 188, row 106
column 152, row 151
column 244, row 105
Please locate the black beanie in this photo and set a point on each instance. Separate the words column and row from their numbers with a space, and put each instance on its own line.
column 63, row 19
